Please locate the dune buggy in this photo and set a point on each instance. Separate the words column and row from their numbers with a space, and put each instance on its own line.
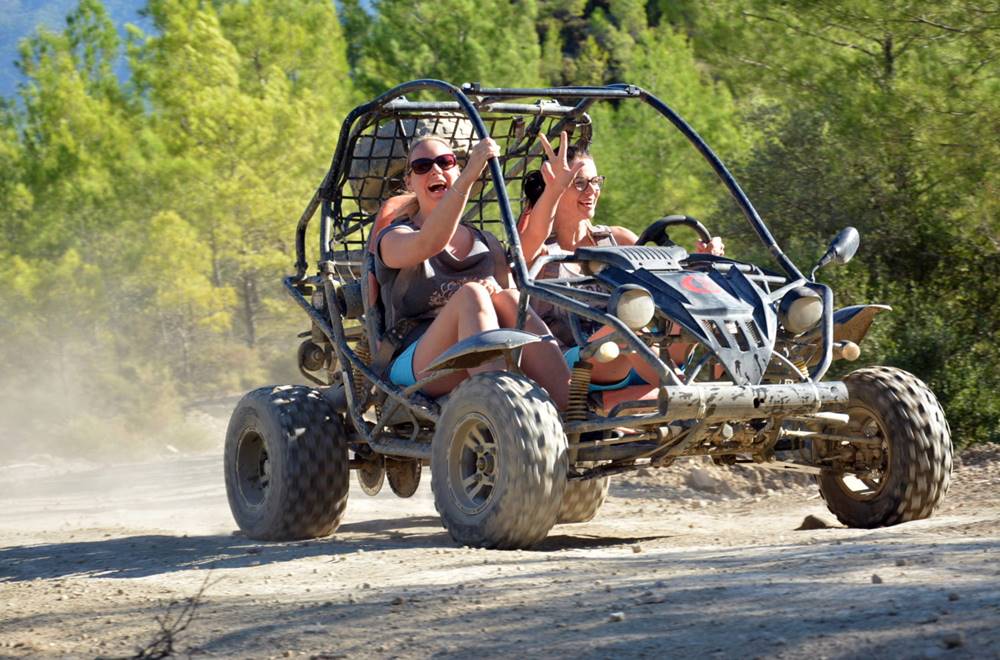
column 505, row 465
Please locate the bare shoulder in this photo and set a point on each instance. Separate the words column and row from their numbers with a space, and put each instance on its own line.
column 623, row 235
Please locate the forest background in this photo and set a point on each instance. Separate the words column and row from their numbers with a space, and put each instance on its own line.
column 146, row 219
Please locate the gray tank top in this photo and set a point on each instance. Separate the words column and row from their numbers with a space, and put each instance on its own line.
column 555, row 317
column 417, row 293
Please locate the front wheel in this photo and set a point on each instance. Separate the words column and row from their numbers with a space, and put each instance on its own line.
column 499, row 462
column 900, row 466
column 286, row 464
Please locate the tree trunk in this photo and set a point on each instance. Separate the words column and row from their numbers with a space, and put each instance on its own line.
column 250, row 299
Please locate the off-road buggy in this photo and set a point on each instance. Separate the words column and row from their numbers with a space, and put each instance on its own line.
column 505, row 465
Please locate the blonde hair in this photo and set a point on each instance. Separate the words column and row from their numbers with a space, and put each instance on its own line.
column 427, row 137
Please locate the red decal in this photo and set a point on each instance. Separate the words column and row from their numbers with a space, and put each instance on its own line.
column 700, row 284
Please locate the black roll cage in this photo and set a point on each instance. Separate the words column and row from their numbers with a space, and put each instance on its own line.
column 469, row 99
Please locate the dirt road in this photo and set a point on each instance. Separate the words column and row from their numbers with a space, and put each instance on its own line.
column 685, row 564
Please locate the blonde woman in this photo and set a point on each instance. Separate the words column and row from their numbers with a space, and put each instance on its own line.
column 444, row 280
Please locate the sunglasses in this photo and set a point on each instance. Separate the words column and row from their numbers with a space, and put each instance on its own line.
column 424, row 165
column 596, row 181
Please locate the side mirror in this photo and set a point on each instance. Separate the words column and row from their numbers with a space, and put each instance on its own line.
column 842, row 249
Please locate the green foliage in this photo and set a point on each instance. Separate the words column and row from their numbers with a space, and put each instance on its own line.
column 145, row 225
column 454, row 40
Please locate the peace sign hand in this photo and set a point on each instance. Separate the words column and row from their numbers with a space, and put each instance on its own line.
column 556, row 171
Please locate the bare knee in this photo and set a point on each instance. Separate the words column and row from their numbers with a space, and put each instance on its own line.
column 473, row 296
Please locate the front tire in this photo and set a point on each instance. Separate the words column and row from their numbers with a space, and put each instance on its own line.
column 286, row 464
column 499, row 462
column 909, row 451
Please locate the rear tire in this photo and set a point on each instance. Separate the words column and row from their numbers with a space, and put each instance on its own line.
column 499, row 462
column 582, row 499
column 914, row 469
column 286, row 464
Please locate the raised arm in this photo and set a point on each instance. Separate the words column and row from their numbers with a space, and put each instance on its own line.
column 404, row 248
column 558, row 176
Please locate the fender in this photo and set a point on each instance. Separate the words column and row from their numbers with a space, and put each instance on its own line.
column 481, row 348
column 852, row 323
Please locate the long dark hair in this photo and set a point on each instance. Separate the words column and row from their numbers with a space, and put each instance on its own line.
column 534, row 182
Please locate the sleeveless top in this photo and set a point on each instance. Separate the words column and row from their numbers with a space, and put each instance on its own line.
column 413, row 296
column 555, row 317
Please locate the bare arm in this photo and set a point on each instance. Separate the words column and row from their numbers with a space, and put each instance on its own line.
column 558, row 176
column 624, row 236
column 403, row 249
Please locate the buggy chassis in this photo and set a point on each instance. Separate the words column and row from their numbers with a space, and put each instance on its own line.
column 686, row 402
column 773, row 403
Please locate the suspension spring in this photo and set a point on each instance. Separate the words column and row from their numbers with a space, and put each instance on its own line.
column 579, row 385
column 360, row 383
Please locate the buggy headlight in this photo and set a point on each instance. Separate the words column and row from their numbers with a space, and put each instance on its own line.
column 800, row 310
column 633, row 305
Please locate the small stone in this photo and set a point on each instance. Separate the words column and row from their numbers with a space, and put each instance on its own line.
column 616, row 617
column 953, row 596
column 900, row 562
column 287, row 654
column 366, row 586
column 700, row 479
column 953, row 640
column 607, row 587
column 813, row 522
column 398, row 600
column 636, row 549
column 876, row 579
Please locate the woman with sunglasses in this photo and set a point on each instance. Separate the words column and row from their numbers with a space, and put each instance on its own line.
column 561, row 200
column 442, row 280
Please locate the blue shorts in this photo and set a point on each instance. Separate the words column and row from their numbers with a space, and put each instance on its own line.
column 633, row 378
column 401, row 371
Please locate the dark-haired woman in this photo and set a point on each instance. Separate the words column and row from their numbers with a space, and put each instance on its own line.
column 441, row 279
column 561, row 200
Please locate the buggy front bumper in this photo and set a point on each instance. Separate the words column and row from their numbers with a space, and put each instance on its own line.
column 725, row 403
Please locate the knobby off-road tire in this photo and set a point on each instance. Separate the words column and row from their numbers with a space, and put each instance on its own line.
column 896, row 406
column 582, row 499
column 286, row 465
column 499, row 462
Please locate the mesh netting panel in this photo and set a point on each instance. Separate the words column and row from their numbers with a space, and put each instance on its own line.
column 378, row 164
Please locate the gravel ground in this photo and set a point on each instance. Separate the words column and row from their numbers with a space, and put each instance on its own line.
column 692, row 561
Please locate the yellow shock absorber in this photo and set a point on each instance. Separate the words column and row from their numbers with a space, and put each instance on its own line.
column 579, row 384
column 802, row 367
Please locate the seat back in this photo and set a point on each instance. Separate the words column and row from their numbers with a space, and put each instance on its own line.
column 392, row 209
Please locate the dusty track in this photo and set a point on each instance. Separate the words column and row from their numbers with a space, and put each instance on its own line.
column 90, row 557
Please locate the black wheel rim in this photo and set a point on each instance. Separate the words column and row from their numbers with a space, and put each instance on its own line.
column 474, row 464
column 252, row 468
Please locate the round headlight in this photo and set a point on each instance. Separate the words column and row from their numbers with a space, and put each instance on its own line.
column 800, row 310
column 633, row 305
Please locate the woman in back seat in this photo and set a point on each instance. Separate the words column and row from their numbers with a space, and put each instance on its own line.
column 442, row 281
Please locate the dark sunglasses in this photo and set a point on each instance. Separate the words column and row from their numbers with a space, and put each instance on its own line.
column 596, row 181
column 424, row 165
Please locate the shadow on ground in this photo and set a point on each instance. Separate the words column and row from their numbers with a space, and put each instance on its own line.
column 145, row 555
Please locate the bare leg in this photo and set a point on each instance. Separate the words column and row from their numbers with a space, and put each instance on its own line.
column 619, row 368
column 542, row 361
column 468, row 312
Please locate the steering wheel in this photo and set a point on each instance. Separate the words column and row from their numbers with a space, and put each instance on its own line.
column 657, row 232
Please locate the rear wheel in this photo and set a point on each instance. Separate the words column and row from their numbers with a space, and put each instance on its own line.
column 582, row 499
column 286, row 464
column 900, row 467
column 498, row 465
